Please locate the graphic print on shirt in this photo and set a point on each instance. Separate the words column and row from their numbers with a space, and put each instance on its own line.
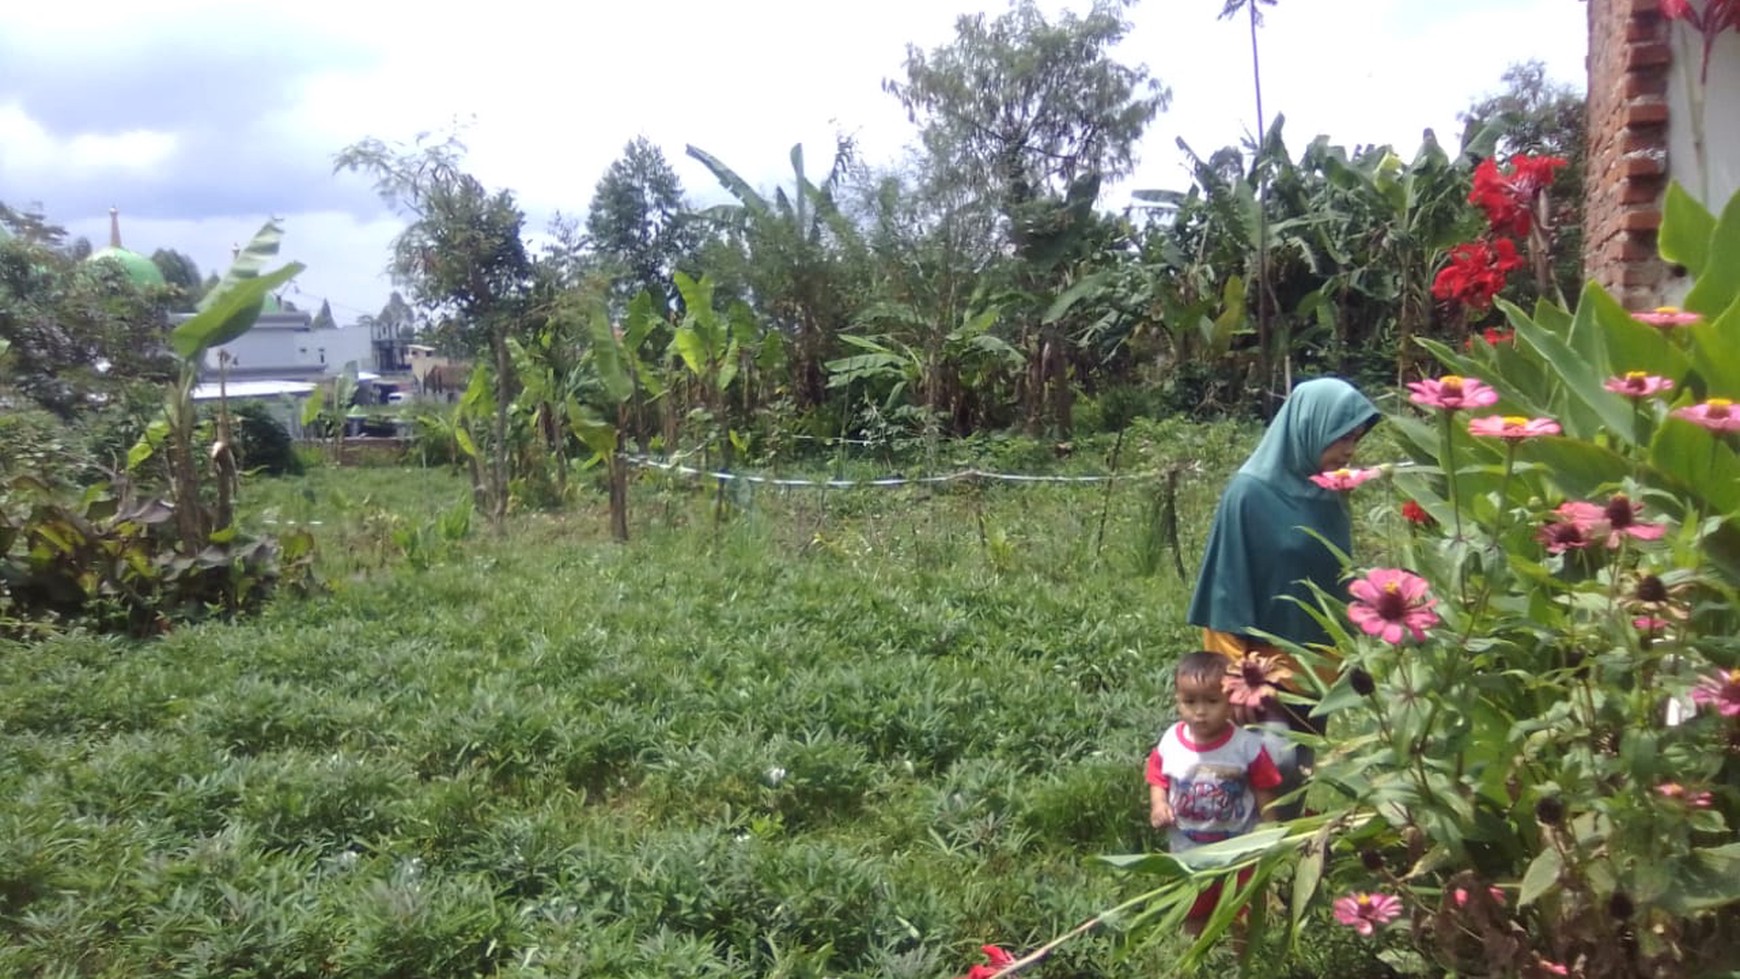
column 1210, row 796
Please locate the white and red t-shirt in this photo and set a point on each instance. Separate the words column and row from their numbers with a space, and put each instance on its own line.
column 1211, row 787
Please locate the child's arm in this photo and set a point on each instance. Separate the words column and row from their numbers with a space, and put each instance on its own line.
column 1159, row 810
column 1265, row 781
column 1265, row 799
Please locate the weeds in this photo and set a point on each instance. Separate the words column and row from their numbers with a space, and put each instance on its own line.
column 703, row 754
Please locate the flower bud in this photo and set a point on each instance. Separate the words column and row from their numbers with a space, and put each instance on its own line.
column 1550, row 811
column 1651, row 589
column 1373, row 860
column 1361, row 682
column 1620, row 906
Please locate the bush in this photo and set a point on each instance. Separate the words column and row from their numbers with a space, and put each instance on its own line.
column 265, row 445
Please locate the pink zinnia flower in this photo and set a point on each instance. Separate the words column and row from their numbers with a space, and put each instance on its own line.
column 1562, row 533
column 1637, row 384
column 1649, row 623
column 1666, row 317
column 1613, row 520
column 1342, row 480
column 1512, row 427
column 1716, row 414
column 1389, row 602
column 1676, row 791
column 1451, row 392
column 1721, row 691
column 1000, row 960
column 1364, row 912
column 1251, row 680
column 1549, row 968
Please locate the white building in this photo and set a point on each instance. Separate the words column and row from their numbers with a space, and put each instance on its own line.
column 286, row 346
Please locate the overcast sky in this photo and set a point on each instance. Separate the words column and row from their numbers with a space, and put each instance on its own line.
column 199, row 120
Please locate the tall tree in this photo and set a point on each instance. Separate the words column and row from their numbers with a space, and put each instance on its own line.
column 1023, row 107
column 181, row 275
column 1030, row 117
column 323, row 319
column 639, row 224
column 462, row 258
column 1265, row 340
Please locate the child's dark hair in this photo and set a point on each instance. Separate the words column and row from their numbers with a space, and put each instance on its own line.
column 1201, row 666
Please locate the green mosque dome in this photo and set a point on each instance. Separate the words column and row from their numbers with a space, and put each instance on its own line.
column 140, row 269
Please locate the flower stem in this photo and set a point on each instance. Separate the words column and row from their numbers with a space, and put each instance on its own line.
column 1448, row 459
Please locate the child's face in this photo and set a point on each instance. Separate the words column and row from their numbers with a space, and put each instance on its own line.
column 1203, row 707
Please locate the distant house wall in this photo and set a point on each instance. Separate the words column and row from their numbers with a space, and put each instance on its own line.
column 1643, row 73
column 286, row 346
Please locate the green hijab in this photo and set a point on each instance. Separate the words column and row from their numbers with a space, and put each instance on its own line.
column 1259, row 555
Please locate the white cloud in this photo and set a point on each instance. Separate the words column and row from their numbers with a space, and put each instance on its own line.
column 556, row 91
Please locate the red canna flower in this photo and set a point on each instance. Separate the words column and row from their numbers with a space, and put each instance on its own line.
column 1477, row 272
column 1000, row 960
column 1416, row 514
column 1509, row 198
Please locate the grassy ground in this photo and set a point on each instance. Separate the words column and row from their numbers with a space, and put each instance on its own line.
column 853, row 733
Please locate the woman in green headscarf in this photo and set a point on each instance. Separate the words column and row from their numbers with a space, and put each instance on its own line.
column 1260, row 557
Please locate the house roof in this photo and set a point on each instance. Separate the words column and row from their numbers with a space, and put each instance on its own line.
column 253, row 389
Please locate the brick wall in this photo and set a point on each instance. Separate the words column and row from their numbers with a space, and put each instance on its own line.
column 1629, row 59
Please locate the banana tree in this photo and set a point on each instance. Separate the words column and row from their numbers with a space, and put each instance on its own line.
column 804, row 259
column 228, row 311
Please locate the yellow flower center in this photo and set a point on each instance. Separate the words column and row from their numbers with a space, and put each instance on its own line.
column 1667, row 310
column 1515, row 421
column 1721, row 403
column 1391, row 587
column 1342, row 473
column 1450, row 383
column 1365, row 900
column 1635, row 376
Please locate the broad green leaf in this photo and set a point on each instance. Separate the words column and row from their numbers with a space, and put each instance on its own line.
column 1702, row 464
column 1541, row 876
column 1067, row 299
column 728, row 178
column 607, row 356
column 1686, row 229
column 1588, row 407
column 642, row 319
column 1715, row 291
column 692, row 349
column 1716, row 349
column 462, row 436
column 1154, row 864
column 229, row 314
column 598, row 435
column 1634, row 346
column 1307, row 876
column 262, row 248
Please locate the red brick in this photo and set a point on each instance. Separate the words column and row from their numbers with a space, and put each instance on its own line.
column 1641, row 275
column 1642, row 83
column 1646, row 28
column 1642, row 191
column 1633, row 141
column 1647, row 56
column 1643, row 219
column 1652, row 113
column 1631, row 248
column 1641, row 165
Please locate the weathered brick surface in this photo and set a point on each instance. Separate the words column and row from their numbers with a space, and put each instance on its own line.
column 1628, row 118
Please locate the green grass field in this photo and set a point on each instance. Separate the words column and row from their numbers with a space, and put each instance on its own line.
column 853, row 733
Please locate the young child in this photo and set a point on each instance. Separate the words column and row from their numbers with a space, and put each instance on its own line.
column 1208, row 779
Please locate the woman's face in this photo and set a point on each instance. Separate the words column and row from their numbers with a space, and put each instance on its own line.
column 1340, row 452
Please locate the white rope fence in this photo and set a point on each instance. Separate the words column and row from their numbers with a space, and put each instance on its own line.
column 649, row 462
